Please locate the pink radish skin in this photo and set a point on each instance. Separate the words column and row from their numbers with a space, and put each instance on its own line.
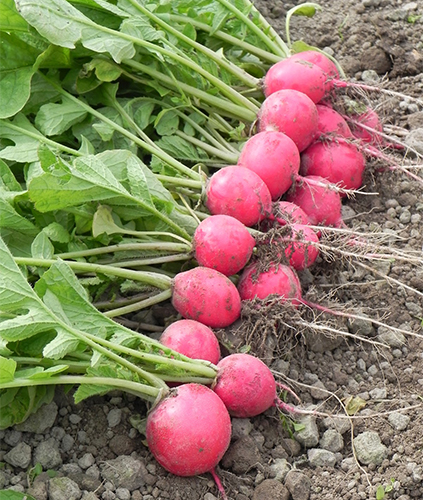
column 245, row 385
column 192, row 339
column 301, row 249
column 300, row 75
column 240, row 193
column 207, row 296
column 274, row 157
column 189, row 431
column 318, row 59
column 281, row 280
column 223, row 243
column 291, row 112
column 371, row 120
column 286, row 212
column 330, row 122
column 316, row 196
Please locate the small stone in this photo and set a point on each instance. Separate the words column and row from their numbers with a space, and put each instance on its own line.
column 63, row 488
column 242, row 455
column 74, row 418
column 12, row 437
column 298, row 485
column 415, row 140
column 86, row 461
column 340, row 424
column 369, row 449
column 241, row 427
column 378, row 393
column 271, row 489
column 125, row 472
column 39, row 421
column 390, row 337
column 321, row 458
column 332, row 441
column 123, row 494
column 279, row 469
column 399, row 421
column 309, row 435
column 114, row 417
column 19, row 456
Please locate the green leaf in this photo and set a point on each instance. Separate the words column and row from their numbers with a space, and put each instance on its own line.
column 10, row 20
column 10, row 218
column 56, row 232
column 167, row 122
column 14, row 495
column 64, row 25
column 380, row 492
column 21, row 132
column 104, row 70
column 7, row 179
column 42, row 247
column 7, row 370
column 55, row 118
column 17, row 68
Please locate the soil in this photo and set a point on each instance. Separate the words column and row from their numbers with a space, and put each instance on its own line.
column 95, row 443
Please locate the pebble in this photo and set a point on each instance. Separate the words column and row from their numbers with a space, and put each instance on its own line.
column 114, row 417
column 298, row 484
column 279, row 469
column 63, row 488
column 369, row 449
column 309, row 435
column 399, row 421
column 332, row 440
column 19, row 456
column 321, row 458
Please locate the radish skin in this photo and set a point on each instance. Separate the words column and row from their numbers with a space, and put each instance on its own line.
column 193, row 339
column 278, row 279
column 291, row 112
column 320, row 60
column 207, row 296
column 189, row 431
column 296, row 74
column 301, row 248
column 274, row 157
column 240, row 193
column 330, row 122
column 245, row 385
column 316, row 196
column 223, row 243
column 338, row 161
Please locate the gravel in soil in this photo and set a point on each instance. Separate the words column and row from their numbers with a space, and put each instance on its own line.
column 92, row 451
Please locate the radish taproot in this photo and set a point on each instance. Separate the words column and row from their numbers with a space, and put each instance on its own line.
column 278, row 279
column 245, row 385
column 189, row 431
column 319, row 200
column 239, row 192
column 339, row 161
column 207, row 296
column 291, row 112
column 193, row 339
column 223, row 243
column 274, row 157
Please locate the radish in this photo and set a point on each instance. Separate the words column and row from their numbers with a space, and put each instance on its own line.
column 278, row 279
column 291, row 112
column 331, row 122
column 338, row 161
column 223, row 243
column 370, row 120
column 300, row 248
column 189, row 431
column 318, row 59
column 296, row 74
column 207, row 296
column 285, row 212
column 245, row 385
column 193, row 339
column 274, row 157
column 316, row 196
column 239, row 192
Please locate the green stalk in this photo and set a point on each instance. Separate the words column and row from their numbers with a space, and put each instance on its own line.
column 155, row 279
column 126, row 247
column 276, row 45
column 180, row 167
column 152, row 261
column 147, row 392
column 137, row 306
column 235, row 42
column 242, row 75
column 230, row 158
column 227, row 107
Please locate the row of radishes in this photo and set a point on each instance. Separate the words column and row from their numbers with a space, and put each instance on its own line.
column 302, row 152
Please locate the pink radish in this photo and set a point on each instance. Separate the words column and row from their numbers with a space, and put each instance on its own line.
column 331, row 122
column 223, row 243
column 371, row 120
column 301, row 247
column 338, row 161
column 274, row 157
column 292, row 113
column 300, row 75
column 245, row 385
column 207, row 296
column 320, row 60
column 316, row 196
column 278, row 279
column 286, row 212
column 193, row 339
column 189, row 431
column 240, row 193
